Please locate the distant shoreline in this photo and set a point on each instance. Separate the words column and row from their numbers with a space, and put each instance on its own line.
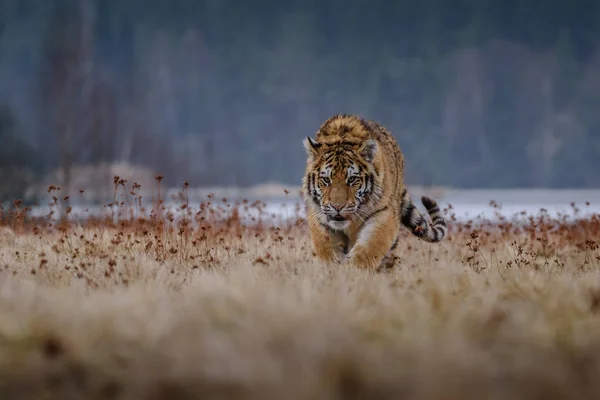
column 275, row 192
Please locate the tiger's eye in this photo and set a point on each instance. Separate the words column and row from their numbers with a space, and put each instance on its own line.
column 325, row 181
column 352, row 180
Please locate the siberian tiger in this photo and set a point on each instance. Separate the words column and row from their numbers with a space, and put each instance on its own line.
column 356, row 200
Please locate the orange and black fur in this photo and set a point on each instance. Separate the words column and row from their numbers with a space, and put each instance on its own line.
column 355, row 194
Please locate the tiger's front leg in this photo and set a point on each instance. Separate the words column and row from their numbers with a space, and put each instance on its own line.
column 329, row 246
column 374, row 241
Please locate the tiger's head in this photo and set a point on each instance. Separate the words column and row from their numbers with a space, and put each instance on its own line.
column 340, row 179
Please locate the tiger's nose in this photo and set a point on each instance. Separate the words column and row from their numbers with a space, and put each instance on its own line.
column 337, row 207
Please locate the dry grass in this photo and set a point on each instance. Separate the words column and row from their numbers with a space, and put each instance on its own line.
column 193, row 306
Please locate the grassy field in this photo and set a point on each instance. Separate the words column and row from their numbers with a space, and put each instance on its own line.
column 192, row 305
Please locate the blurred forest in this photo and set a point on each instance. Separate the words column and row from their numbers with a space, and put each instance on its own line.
column 479, row 93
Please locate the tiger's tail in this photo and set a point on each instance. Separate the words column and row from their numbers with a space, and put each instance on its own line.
column 412, row 219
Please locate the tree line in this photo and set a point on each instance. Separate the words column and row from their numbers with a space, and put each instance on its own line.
column 479, row 93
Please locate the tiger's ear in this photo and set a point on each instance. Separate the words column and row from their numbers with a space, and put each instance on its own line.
column 312, row 147
column 368, row 150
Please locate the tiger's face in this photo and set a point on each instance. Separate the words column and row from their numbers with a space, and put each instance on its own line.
column 340, row 180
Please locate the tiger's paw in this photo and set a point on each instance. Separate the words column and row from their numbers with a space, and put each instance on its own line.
column 361, row 258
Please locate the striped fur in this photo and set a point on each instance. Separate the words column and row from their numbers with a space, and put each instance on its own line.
column 412, row 218
column 356, row 200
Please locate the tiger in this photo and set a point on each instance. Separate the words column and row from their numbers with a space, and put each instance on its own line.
column 355, row 196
